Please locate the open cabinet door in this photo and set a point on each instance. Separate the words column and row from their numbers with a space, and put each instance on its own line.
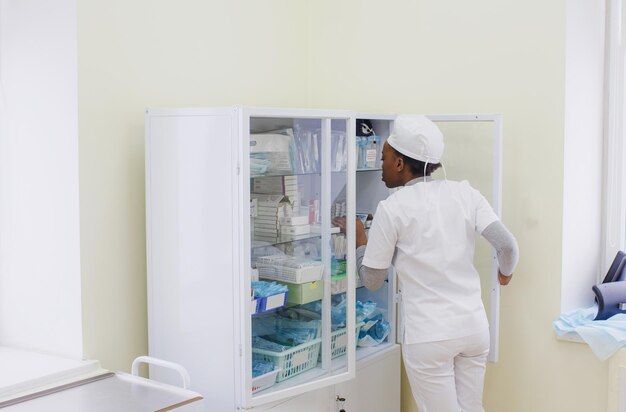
column 474, row 153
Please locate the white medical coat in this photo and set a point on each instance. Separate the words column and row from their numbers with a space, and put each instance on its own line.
column 427, row 231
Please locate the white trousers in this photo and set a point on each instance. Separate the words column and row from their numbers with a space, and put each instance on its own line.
column 449, row 375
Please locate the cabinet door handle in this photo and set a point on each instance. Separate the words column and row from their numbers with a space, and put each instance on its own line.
column 160, row 362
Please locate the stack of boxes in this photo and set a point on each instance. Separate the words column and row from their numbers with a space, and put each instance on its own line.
column 266, row 211
column 294, row 225
column 278, row 185
column 274, row 200
column 264, row 189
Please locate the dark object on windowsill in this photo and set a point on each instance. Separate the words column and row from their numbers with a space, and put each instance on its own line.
column 611, row 293
column 611, row 299
column 616, row 270
column 614, row 274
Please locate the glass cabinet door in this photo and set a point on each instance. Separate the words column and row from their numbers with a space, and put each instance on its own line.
column 472, row 153
column 298, row 182
column 375, row 309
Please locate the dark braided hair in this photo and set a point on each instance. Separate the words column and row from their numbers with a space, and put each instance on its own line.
column 417, row 166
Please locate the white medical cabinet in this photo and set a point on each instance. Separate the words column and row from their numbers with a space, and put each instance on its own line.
column 250, row 285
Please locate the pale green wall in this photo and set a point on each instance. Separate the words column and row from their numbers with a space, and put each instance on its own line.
column 508, row 57
column 160, row 53
column 439, row 56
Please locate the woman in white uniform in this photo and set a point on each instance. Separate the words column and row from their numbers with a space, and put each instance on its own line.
column 426, row 230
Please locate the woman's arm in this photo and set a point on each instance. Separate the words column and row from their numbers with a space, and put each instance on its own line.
column 373, row 279
column 506, row 249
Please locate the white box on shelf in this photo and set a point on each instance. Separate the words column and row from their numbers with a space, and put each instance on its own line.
column 294, row 220
column 318, row 229
column 295, row 229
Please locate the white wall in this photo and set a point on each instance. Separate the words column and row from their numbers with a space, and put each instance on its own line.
column 582, row 154
column 40, row 296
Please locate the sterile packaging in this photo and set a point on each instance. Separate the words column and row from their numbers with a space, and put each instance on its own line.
column 361, row 142
column 376, row 328
column 276, row 150
column 338, row 151
column 307, row 150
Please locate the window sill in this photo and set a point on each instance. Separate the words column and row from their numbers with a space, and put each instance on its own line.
column 571, row 337
column 24, row 372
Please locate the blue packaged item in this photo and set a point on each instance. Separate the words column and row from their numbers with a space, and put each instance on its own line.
column 376, row 328
column 260, row 367
column 263, row 289
column 269, row 295
column 265, row 344
column 361, row 142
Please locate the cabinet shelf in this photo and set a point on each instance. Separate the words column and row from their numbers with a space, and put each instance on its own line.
column 285, row 174
column 307, row 174
column 283, row 239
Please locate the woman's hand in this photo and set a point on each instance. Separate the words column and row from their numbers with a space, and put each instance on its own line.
column 361, row 238
column 504, row 280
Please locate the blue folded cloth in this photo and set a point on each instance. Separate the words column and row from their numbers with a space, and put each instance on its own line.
column 604, row 337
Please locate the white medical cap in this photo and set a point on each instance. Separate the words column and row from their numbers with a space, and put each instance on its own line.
column 417, row 137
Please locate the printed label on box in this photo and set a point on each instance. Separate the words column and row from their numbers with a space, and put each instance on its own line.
column 275, row 301
column 341, row 340
column 300, row 358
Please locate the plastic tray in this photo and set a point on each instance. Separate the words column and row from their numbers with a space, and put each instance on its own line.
column 292, row 275
column 289, row 269
column 293, row 361
column 339, row 341
column 265, row 381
